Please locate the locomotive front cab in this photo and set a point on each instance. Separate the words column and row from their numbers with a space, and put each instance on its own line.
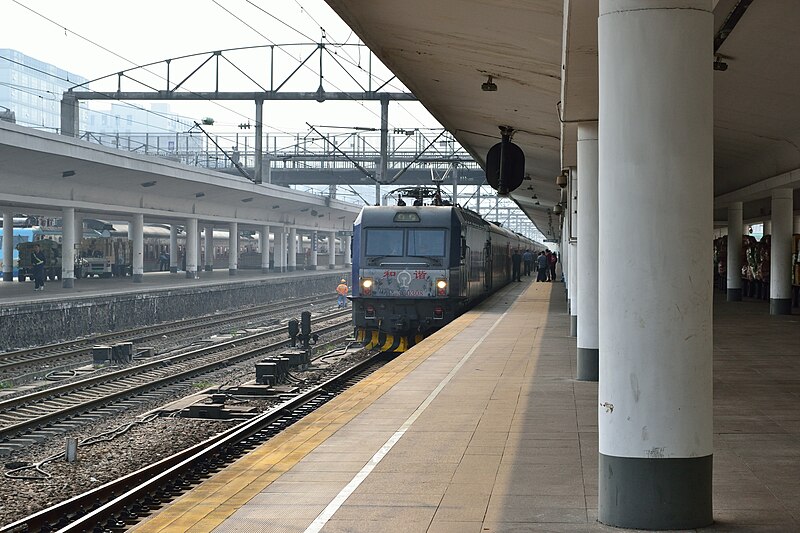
column 405, row 283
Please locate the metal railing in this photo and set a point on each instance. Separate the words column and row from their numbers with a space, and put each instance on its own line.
column 301, row 151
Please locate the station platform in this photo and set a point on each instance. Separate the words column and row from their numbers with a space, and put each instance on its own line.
column 95, row 305
column 481, row 427
column 16, row 292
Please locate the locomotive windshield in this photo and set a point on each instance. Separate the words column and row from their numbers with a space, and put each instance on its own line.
column 384, row 242
column 426, row 242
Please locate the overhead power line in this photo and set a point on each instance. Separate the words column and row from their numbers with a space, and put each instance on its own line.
column 216, row 103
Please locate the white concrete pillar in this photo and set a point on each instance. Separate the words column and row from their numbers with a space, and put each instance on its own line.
column 655, row 196
column 233, row 248
column 768, row 225
column 8, row 246
column 78, row 227
column 312, row 257
column 284, row 249
column 734, row 266
column 780, row 265
column 208, row 234
column 191, row 248
column 68, row 248
column 562, row 258
column 199, row 238
column 263, row 242
column 137, row 228
column 292, row 249
column 348, row 252
column 573, row 288
column 588, row 359
column 278, row 252
column 173, row 248
column 331, row 250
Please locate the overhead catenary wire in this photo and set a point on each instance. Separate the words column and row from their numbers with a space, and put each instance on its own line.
column 351, row 61
column 303, row 64
column 131, row 62
column 91, row 90
column 32, row 91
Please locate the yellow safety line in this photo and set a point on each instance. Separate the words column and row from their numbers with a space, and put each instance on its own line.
column 217, row 498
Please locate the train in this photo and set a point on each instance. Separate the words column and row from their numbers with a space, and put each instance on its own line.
column 416, row 268
column 105, row 249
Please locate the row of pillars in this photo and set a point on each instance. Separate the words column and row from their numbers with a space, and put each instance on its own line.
column 638, row 251
column 780, row 266
column 285, row 253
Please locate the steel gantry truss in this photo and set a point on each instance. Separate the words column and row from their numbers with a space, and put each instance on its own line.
column 156, row 81
column 258, row 91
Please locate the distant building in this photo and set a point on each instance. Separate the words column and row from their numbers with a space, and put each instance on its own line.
column 30, row 95
column 144, row 127
column 32, row 90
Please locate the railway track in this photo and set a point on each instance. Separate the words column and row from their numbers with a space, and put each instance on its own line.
column 122, row 502
column 71, row 350
column 21, row 415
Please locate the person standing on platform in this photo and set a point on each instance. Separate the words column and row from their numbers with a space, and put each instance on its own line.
column 542, row 266
column 547, row 255
column 341, row 290
column 516, row 262
column 527, row 257
column 163, row 261
column 553, row 262
column 38, row 260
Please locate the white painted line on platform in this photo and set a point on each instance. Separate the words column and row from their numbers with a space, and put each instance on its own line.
column 322, row 519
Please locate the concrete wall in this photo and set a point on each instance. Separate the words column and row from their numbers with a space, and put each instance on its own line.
column 30, row 324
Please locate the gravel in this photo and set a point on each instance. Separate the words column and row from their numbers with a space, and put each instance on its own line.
column 142, row 444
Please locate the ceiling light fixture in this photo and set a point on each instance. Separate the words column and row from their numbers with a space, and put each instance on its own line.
column 149, row 183
column 67, row 173
column 199, row 194
column 249, row 199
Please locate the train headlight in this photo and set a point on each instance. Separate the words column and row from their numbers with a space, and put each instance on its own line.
column 366, row 286
column 441, row 287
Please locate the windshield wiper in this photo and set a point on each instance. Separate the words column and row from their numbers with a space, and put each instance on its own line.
column 432, row 259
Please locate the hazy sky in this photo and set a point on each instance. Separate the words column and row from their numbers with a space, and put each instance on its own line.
column 148, row 31
column 126, row 34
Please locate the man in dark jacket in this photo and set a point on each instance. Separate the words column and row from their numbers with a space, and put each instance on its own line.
column 527, row 257
column 38, row 260
column 516, row 261
column 542, row 266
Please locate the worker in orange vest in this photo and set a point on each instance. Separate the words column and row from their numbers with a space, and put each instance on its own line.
column 341, row 290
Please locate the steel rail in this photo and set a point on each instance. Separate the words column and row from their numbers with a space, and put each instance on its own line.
column 99, row 506
column 76, row 348
column 107, row 398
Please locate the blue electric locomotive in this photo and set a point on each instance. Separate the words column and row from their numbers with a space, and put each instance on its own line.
column 416, row 268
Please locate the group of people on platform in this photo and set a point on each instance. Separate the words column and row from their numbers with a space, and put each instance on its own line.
column 545, row 265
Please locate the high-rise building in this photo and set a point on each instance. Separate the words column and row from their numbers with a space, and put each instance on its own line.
column 32, row 90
